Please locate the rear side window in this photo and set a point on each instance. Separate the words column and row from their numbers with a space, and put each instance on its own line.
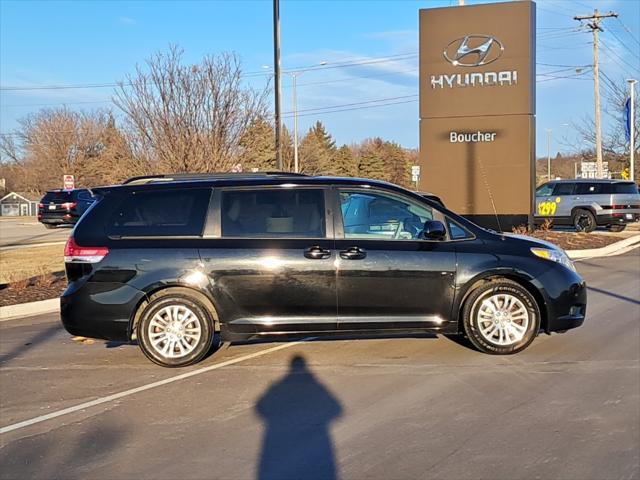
column 161, row 213
column 564, row 188
column 589, row 188
column 627, row 187
column 292, row 213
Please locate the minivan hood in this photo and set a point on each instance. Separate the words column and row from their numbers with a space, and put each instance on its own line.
column 533, row 241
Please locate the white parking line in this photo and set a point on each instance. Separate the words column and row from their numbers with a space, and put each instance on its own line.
column 149, row 386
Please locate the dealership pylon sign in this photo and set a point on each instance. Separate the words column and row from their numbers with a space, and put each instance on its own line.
column 477, row 109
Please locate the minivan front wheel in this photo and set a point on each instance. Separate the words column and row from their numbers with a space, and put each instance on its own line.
column 175, row 330
column 501, row 317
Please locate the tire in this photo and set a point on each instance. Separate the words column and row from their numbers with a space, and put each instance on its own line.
column 175, row 328
column 512, row 329
column 49, row 226
column 616, row 228
column 584, row 220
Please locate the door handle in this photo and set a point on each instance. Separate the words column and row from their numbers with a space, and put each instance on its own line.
column 353, row 253
column 317, row 253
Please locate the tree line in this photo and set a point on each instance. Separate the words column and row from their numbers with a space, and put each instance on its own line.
column 173, row 117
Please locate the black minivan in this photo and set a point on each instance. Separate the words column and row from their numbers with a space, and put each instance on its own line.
column 171, row 261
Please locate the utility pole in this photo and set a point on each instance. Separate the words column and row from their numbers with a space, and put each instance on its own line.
column 594, row 24
column 548, row 154
column 276, row 77
column 632, row 129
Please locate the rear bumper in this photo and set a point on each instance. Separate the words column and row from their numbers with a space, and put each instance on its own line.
column 621, row 218
column 58, row 218
column 99, row 309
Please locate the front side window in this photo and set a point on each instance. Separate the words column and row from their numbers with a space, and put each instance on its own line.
column 545, row 190
column 456, row 231
column 273, row 213
column 161, row 213
column 375, row 216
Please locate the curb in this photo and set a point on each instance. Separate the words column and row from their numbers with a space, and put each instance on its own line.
column 31, row 245
column 12, row 312
column 613, row 249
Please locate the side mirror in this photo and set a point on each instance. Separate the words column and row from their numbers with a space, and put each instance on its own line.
column 433, row 230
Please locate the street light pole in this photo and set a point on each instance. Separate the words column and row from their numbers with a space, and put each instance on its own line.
column 296, row 165
column 276, row 69
column 548, row 154
column 632, row 124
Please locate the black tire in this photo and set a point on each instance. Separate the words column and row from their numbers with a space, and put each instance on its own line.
column 616, row 228
column 473, row 324
column 192, row 307
column 49, row 226
column 584, row 220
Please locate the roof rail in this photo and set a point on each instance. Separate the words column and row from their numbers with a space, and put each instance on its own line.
column 177, row 177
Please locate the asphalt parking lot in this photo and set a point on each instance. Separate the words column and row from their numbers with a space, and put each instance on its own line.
column 388, row 408
column 22, row 232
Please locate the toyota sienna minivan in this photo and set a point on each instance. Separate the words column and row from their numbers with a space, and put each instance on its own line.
column 176, row 261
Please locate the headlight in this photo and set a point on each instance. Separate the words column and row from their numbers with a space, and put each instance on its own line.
column 554, row 255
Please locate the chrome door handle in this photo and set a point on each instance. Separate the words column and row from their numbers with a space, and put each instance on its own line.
column 317, row 253
column 353, row 253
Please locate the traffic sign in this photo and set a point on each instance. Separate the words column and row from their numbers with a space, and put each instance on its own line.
column 69, row 182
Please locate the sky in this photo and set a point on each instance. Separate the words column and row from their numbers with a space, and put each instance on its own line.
column 370, row 49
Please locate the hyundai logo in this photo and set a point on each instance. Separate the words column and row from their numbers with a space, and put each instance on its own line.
column 473, row 51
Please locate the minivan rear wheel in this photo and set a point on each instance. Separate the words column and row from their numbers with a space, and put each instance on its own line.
column 584, row 220
column 501, row 317
column 175, row 330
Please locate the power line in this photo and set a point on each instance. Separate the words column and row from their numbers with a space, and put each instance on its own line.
column 332, row 65
column 628, row 31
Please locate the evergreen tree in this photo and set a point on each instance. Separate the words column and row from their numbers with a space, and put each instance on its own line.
column 258, row 146
column 317, row 151
column 371, row 159
column 345, row 162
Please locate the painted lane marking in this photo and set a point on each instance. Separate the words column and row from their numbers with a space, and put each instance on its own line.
column 149, row 386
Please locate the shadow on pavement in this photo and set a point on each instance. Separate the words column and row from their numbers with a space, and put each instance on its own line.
column 614, row 295
column 297, row 411
column 56, row 455
column 37, row 339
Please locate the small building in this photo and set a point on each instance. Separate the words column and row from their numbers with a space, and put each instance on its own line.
column 15, row 204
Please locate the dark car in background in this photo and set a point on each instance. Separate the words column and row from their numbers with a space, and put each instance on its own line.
column 173, row 261
column 63, row 207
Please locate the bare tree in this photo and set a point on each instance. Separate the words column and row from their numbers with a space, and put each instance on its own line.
column 188, row 117
column 614, row 143
column 54, row 142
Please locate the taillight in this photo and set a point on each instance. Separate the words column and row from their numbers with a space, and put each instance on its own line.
column 41, row 205
column 75, row 253
column 69, row 205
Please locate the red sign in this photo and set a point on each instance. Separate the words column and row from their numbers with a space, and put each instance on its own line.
column 69, row 182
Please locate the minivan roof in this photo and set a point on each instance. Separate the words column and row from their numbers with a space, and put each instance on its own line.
column 227, row 180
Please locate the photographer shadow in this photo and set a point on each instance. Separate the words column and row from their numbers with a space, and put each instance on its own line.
column 297, row 412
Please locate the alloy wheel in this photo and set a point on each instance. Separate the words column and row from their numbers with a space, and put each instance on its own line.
column 174, row 331
column 502, row 319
